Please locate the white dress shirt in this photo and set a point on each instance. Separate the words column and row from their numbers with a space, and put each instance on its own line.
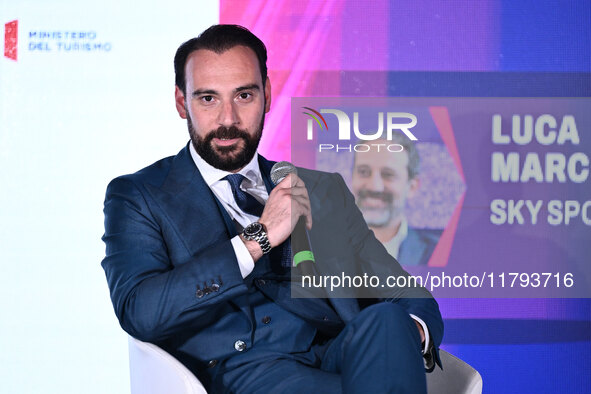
column 393, row 245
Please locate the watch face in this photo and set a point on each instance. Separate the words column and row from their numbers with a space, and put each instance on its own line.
column 253, row 229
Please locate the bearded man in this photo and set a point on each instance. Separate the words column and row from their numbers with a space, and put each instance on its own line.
column 196, row 246
column 382, row 183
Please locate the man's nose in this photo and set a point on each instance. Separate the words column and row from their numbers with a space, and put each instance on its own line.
column 228, row 115
column 375, row 183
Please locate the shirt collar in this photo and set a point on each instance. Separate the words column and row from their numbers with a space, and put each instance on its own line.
column 402, row 231
column 393, row 245
column 211, row 175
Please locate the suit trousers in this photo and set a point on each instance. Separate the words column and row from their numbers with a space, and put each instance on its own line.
column 379, row 351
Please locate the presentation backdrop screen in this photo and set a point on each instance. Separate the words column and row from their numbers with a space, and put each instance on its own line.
column 497, row 203
column 87, row 94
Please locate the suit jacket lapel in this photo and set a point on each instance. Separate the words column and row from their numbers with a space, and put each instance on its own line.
column 265, row 167
column 411, row 249
column 191, row 206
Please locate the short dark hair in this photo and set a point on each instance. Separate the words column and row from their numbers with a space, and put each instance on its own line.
column 219, row 38
column 414, row 161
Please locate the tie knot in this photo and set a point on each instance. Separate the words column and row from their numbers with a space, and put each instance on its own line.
column 235, row 180
column 245, row 201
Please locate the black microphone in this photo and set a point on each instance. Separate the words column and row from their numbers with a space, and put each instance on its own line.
column 301, row 249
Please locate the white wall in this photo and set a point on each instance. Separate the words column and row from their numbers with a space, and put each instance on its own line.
column 70, row 122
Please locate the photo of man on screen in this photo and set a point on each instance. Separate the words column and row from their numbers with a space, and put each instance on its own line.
column 382, row 182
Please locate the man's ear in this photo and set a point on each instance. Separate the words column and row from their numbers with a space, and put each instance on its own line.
column 414, row 185
column 179, row 99
column 267, row 95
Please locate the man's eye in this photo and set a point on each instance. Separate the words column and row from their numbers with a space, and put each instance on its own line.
column 363, row 172
column 245, row 96
column 389, row 176
column 207, row 99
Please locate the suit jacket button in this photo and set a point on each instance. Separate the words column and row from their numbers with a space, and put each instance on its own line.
column 266, row 319
column 215, row 287
column 261, row 282
column 212, row 363
column 240, row 345
column 199, row 293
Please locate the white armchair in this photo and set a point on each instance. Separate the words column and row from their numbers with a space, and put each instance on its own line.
column 457, row 377
column 154, row 371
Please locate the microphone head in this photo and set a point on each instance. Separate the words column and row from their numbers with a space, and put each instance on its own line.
column 280, row 170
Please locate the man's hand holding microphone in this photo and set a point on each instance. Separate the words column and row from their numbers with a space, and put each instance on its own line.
column 287, row 212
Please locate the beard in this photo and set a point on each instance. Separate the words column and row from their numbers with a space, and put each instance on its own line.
column 226, row 158
column 379, row 217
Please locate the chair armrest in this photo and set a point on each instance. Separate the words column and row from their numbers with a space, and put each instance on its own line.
column 154, row 371
column 457, row 377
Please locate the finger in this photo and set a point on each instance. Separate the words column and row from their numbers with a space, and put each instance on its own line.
column 282, row 191
column 285, row 183
column 301, row 200
column 279, row 193
column 301, row 207
column 299, row 191
column 309, row 220
column 291, row 180
column 299, row 188
column 296, row 181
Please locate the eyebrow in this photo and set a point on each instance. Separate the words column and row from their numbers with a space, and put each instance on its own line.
column 203, row 91
column 252, row 86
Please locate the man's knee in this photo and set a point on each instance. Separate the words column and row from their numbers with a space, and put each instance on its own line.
column 382, row 352
column 389, row 317
column 386, row 312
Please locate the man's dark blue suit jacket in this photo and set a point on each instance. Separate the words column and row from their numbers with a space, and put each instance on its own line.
column 167, row 237
column 418, row 246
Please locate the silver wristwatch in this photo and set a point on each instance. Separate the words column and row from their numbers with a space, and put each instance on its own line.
column 257, row 232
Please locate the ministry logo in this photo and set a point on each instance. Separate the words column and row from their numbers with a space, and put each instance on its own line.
column 46, row 41
column 11, row 40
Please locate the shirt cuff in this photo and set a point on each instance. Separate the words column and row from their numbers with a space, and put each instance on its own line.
column 245, row 261
column 425, row 329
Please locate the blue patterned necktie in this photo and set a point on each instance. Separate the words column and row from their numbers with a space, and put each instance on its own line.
column 246, row 202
